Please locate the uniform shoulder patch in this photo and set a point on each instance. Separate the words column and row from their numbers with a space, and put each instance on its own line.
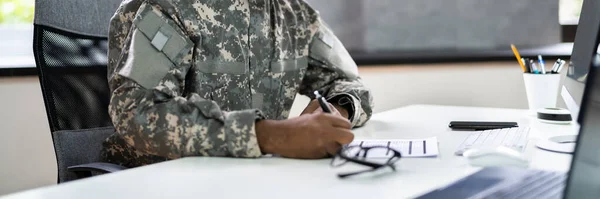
column 156, row 45
column 165, row 35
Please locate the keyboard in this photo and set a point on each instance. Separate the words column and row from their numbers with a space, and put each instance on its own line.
column 535, row 184
column 515, row 138
column 505, row 183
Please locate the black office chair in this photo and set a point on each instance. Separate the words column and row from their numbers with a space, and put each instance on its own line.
column 70, row 49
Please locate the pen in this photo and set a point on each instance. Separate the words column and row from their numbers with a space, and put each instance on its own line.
column 534, row 67
column 528, row 65
column 555, row 66
column 562, row 63
column 518, row 56
column 322, row 102
column 527, row 69
column 542, row 65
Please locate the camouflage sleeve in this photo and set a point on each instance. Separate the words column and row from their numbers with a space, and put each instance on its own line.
column 148, row 106
column 332, row 71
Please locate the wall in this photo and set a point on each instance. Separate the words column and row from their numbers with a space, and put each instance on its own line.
column 28, row 161
column 27, row 158
column 435, row 24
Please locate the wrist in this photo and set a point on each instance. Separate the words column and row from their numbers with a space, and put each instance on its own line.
column 266, row 135
column 343, row 102
column 343, row 111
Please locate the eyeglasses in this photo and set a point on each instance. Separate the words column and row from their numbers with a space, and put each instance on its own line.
column 358, row 154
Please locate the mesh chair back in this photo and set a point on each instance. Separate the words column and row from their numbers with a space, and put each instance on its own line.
column 70, row 49
column 72, row 71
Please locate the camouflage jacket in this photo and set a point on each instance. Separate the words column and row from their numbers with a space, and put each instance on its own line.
column 190, row 78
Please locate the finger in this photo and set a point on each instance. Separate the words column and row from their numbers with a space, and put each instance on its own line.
column 319, row 110
column 341, row 136
column 337, row 121
column 311, row 107
column 333, row 148
column 333, row 109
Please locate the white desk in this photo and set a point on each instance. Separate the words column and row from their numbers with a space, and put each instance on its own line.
column 200, row 177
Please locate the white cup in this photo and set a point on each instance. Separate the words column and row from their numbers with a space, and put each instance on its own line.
column 541, row 89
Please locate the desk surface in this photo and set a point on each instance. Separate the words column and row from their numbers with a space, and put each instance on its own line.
column 272, row 177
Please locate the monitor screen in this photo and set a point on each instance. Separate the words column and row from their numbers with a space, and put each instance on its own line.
column 584, row 176
column 585, row 46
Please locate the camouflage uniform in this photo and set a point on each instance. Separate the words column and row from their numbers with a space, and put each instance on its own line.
column 190, row 78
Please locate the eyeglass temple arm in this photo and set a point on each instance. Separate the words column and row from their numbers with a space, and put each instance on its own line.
column 366, row 163
column 345, row 175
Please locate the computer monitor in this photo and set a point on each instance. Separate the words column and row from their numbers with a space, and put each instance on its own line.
column 584, row 49
column 584, row 175
column 585, row 46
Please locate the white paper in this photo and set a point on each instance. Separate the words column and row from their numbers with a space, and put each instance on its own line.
column 407, row 147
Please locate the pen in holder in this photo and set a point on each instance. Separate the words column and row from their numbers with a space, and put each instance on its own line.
column 541, row 89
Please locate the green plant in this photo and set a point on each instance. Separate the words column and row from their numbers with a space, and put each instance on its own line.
column 16, row 11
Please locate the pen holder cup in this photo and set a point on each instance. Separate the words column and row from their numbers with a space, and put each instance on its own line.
column 541, row 89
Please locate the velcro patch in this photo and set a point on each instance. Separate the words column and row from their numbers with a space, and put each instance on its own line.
column 165, row 35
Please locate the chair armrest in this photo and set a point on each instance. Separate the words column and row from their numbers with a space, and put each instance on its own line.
column 86, row 170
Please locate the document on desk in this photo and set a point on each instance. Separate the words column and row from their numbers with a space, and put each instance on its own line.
column 407, row 147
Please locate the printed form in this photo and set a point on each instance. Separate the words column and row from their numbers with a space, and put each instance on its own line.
column 407, row 147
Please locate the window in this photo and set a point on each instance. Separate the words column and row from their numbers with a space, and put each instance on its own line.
column 16, row 11
column 428, row 28
column 16, row 33
column 569, row 11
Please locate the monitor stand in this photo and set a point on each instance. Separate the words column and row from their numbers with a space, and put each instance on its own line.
column 558, row 144
column 562, row 143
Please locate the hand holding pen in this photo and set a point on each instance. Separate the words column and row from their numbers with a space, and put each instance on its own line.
column 315, row 134
column 328, row 107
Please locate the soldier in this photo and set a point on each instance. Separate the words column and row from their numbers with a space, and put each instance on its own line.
column 218, row 78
